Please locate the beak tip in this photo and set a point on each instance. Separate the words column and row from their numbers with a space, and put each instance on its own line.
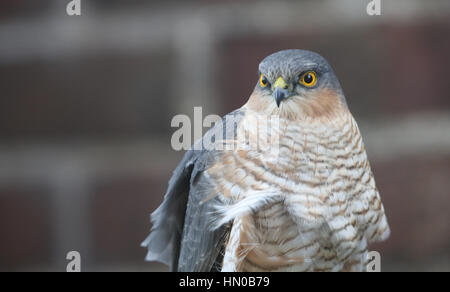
column 280, row 95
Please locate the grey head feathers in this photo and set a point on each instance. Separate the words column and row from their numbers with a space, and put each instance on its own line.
column 290, row 64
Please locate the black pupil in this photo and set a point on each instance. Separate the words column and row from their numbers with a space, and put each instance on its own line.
column 308, row 78
column 264, row 81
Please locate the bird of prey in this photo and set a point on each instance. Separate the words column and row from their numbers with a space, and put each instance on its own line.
column 309, row 205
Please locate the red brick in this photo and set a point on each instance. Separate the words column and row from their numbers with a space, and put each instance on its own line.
column 120, row 220
column 91, row 97
column 416, row 196
column 416, row 66
column 25, row 225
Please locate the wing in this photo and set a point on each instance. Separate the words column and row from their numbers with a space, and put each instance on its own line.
column 182, row 236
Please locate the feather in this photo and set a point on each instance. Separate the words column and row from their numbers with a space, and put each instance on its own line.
column 181, row 237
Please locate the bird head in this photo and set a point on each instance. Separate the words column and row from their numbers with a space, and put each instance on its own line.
column 296, row 83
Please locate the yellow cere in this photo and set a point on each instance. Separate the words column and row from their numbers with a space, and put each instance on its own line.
column 280, row 83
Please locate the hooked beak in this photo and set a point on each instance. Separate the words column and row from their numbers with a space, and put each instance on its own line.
column 280, row 90
column 280, row 95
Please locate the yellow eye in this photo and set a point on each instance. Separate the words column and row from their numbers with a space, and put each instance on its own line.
column 309, row 79
column 263, row 81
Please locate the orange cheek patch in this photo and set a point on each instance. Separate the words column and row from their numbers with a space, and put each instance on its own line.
column 322, row 103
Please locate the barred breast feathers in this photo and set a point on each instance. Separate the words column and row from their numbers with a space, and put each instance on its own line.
column 320, row 174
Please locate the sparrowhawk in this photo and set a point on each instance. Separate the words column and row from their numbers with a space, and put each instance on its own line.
column 306, row 202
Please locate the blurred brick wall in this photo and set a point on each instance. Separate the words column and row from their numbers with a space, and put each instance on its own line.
column 102, row 96
column 416, row 195
column 416, row 68
column 25, row 223
column 120, row 215
column 24, row 8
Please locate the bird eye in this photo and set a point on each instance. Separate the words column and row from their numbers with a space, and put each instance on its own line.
column 263, row 81
column 309, row 79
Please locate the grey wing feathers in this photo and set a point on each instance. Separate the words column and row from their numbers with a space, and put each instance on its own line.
column 201, row 244
column 164, row 240
column 182, row 236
